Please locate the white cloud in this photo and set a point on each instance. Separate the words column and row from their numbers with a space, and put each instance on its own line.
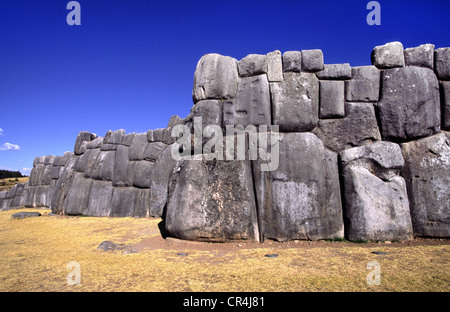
column 9, row 147
column 1, row 131
column 26, row 171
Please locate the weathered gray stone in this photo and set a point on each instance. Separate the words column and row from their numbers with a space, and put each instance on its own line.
column 332, row 99
column 62, row 185
column 295, row 102
column 104, row 166
column 91, row 162
column 292, row 61
column 25, row 214
column 212, row 201
column 138, row 146
column 159, row 184
column 128, row 139
column 358, row 127
column 99, row 204
column 78, row 192
column 142, row 203
column 364, row 85
column 300, row 199
column 174, row 120
column 82, row 160
column 445, row 104
column 252, row 103
column 3, row 194
column 82, row 137
column 48, row 160
column 389, row 55
column 116, row 137
column 422, row 56
column 123, row 201
column 335, row 72
column 153, row 150
column 274, row 66
column 155, row 135
column 375, row 197
column 140, row 173
column 312, row 60
column 108, row 147
column 96, row 143
column 209, row 110
column 426, row 171
column 215, row 77
column 120, row 172
column 38, row 160
column 442, row 63
column 252, row 64
column 409, row 107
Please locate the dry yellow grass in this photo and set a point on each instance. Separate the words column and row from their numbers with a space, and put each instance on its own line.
column 7, row 183
column 35, row 253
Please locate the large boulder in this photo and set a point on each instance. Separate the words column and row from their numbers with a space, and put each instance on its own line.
column 83, row 136
column 251, row 105
column 212, row 200
column 364, row 85
column 442, row 63
column 389, row 55
column 99, row 204
column 445, row 99
column 295, row 102
column 252, row 64
column 159, row 184
column 215, row 77
column 301, row 198
column 76, row 202
column 422, row 56
column 274, row 66
column 375, row 197
column 332, row 99
column 358, row 127
column 427, row 175
column 409, row 106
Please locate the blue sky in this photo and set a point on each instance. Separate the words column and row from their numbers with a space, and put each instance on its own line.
column 130, row 64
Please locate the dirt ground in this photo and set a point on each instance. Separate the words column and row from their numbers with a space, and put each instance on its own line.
column 35, row 253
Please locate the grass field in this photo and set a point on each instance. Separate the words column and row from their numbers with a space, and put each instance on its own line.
column 35, row 253
column 8, row 183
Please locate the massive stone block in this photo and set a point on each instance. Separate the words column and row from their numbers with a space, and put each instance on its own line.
column 212, row 201
column 99, row 204
column 409, row 107
column 427, row 175
column 82, row 137
column 159, row 184
column 78, row 193
column 140, row 173
column 292, row 61
column 358, row 127
column 375, row 197
column 274, row 66
column 301, row 198
column 295, row 102
column 120, row 172
column 389, row 55
column 364, row 85
column 123, row 201
column 215, row 77
column 442, row 66
column 422, row 56
column 252, row 64
column 332, row 99
column 445, row 104
column 252, row 103
column 104, row 166
column 312, row 60
column 335, row 72
column 138, row 146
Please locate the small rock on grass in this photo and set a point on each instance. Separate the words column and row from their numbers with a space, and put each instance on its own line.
column 25, row 214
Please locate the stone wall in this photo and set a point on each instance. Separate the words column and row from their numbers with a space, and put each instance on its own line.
column 364, row 152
